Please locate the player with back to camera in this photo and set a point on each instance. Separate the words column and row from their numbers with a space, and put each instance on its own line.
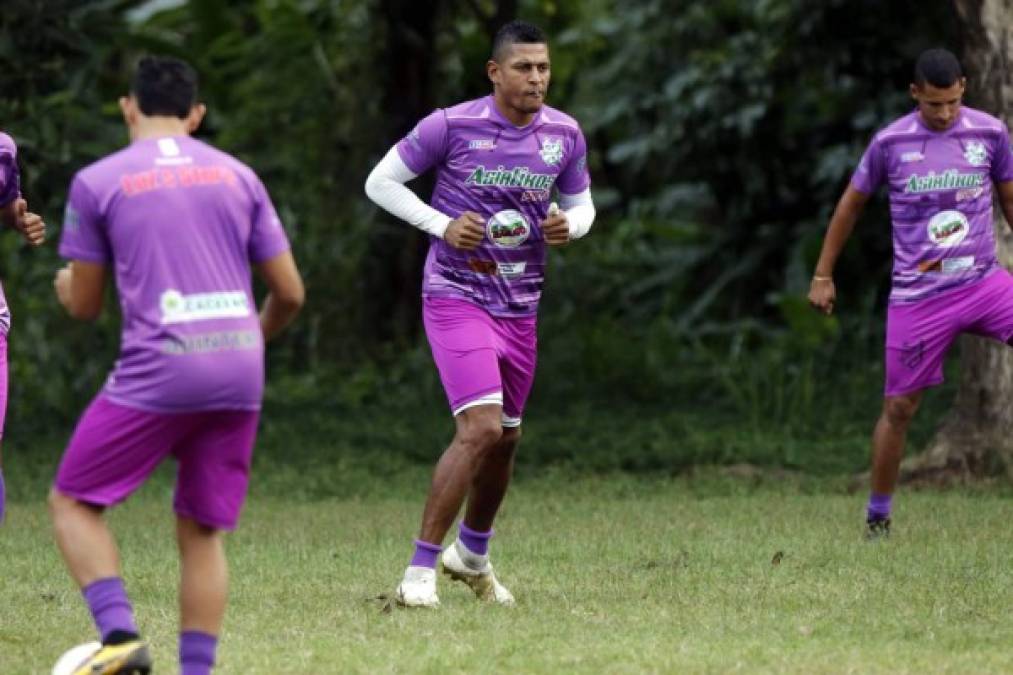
column 939, row 164
column 179, row 223
column 497, row 160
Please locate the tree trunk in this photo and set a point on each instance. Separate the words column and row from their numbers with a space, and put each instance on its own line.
column 976, row 437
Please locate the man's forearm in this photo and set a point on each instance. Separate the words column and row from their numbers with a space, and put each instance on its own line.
column 275, row 314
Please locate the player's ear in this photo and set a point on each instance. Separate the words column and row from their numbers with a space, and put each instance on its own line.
column 913, row 88
column 492, row 70
column 128, row 107
column 195, row 117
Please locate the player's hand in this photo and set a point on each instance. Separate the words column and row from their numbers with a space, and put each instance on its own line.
column 555, row 227
column 823, row 295
column 62, row 285
column 466, row 231
column 30, row 225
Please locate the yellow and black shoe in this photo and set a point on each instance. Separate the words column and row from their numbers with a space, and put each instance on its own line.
column 127, row 657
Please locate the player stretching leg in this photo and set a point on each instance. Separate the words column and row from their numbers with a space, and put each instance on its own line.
column 497, row 160
column 939, row 163
column 179, row 224
column 13, row 214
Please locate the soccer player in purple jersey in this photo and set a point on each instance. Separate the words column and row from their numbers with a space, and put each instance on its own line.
column 939, row 163
column 15, row 215
column 179, row 224
column 497, row 160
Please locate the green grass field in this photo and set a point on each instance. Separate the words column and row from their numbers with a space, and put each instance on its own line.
column 612, row 574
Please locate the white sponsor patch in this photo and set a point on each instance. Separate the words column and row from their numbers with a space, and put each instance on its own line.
column 179, row 308
column 509, row 270
column 912, row 157
column 168, row 146
column 481, row 144
column 948, row 228
column 508, row 228
column 951, row 265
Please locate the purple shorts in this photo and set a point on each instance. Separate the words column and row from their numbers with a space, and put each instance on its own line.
column 919, row 334
column 482, row 359
column 115, row 448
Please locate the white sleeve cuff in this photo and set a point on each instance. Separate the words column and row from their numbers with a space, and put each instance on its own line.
column 385, row 186
column 579, row 210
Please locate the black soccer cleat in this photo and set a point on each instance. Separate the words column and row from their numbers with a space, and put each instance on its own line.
column 877, row 528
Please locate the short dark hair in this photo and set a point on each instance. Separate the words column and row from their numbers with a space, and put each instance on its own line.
column 938, row 67
column 164, row 86
column 516, row 32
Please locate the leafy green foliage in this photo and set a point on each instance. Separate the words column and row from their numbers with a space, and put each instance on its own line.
column 721, row 134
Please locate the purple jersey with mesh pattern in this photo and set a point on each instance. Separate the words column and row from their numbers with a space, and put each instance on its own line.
column 505, row 174
column 940, row 185
column 9, row 191
column 179, row 222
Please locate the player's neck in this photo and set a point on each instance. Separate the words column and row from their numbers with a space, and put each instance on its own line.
column 157, row 127
column 515, row 117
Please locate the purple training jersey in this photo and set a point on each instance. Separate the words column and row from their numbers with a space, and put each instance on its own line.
column 10, row 189
column 487, row 165
column 940, row 185
column 180, row 222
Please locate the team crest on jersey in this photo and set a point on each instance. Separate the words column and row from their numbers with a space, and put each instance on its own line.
column 975, row 153
column 552, row 151
column 948, row 228
column 508, row 229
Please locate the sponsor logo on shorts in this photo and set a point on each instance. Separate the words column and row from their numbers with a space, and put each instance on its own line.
column 481, row 144
column 508, row 229
column 179, row 308
column 950, row 179
column 914, row 156
column 552, row 150
column 948, row 228
column 975, row 153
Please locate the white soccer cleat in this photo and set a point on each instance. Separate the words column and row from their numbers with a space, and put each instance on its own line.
column 476, row 572
column 418, row 588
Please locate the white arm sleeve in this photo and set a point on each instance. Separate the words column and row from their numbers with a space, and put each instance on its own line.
column 386, row 187
column 579, row 211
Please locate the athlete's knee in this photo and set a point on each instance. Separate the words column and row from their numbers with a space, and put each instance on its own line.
column 510, row 438
column 480, row 432
column 900, row 410
column 61, row 505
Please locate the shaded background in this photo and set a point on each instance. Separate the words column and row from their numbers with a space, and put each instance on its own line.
column 677, row 334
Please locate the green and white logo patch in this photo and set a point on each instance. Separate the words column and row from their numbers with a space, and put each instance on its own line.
column 508, row 229
column 948, row 228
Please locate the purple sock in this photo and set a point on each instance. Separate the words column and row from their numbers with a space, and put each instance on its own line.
column 110, row 607
column 425, row 554
column 879, row 506
column 196, row 652
column 476, row 542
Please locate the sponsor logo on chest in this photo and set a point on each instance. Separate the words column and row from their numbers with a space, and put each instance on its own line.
column 517, row 177
column 951, row 179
